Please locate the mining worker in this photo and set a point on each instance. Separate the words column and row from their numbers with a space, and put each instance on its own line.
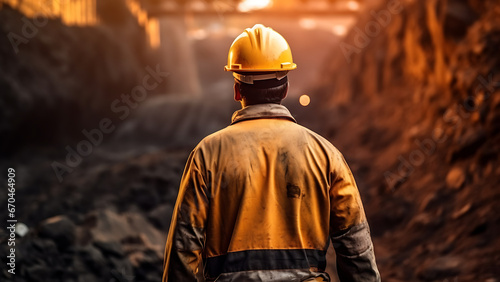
column 260, row 199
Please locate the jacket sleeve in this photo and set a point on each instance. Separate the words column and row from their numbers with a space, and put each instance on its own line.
column 186, row 237
column 349, row 230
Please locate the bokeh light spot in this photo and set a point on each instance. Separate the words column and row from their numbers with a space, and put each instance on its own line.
column 249, row 5
column 353, row 5
column 304, row 100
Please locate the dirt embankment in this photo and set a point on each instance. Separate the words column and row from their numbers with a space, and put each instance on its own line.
column 56, row 80
column 107, row 218
column 413, row 102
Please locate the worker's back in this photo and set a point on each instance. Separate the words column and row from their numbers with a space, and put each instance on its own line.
column 269, row 206
column 267, row 198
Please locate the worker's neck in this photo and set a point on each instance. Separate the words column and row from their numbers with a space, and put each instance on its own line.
column 245, row 104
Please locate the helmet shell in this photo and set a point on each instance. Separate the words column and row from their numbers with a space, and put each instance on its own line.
column 259, row 49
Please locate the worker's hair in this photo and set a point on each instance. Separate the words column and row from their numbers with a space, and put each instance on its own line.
column 257, row 95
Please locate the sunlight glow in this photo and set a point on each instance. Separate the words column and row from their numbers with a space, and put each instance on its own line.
column 198, row 34
column 249, row 5
column 307, row 23
column 304, row 100
column 339, row 30
column 353, row 5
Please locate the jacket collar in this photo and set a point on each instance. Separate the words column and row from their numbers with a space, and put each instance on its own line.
column 262, row 111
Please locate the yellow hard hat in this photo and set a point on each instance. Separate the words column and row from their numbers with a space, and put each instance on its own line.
column 260, row 49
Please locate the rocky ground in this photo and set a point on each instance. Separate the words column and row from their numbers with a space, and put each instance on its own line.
column 105, row 222
column 414, row 108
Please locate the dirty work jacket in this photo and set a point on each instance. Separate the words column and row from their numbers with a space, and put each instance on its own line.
column 259, row 201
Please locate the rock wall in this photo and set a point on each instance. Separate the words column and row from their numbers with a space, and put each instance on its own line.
column 413, row 102
column 56, row 80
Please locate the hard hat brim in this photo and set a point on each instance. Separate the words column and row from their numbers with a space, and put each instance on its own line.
column 287, row 68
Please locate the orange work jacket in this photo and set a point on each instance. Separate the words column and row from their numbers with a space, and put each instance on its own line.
column 261, row 199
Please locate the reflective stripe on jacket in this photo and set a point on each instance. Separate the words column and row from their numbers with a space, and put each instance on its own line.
column 260, row 200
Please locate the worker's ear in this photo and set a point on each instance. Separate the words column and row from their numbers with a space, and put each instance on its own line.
column 237, row 93
column 286, row 91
